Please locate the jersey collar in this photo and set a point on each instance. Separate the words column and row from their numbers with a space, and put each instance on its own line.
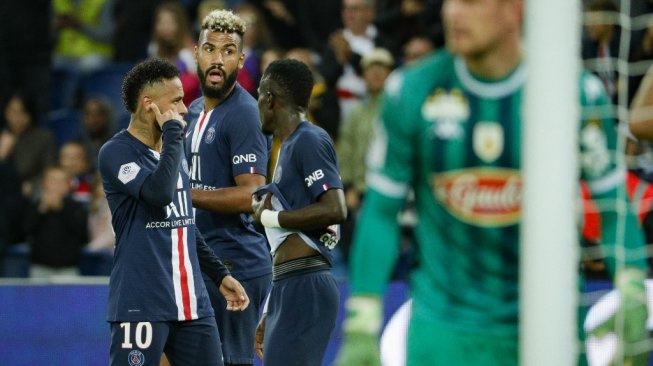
column 498, row 89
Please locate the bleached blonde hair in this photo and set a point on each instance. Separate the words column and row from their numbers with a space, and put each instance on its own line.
column 224, row 21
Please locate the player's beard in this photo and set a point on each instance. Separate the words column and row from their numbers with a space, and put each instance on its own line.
column 215, row 92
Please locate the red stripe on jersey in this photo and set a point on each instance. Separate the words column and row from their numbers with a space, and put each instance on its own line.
column 640, row 193
column 185, row 292
column 591, row 229
column 202, row 121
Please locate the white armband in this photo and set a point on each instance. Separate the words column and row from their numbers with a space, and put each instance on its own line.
column 270, row 218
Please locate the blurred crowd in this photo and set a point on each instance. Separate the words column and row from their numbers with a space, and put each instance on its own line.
column 62, row 63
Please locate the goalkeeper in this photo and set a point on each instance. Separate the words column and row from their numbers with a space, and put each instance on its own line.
column 450, row 130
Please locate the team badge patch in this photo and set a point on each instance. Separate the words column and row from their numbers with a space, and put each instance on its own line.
column 136, row 358
column 128, row 172
column 210, row 135
column 448, row 111
column 488, row 141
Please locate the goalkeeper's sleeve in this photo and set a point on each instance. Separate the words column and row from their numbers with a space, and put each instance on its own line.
column 376, row 244
column 374, row 253
column 625, row 256
column 624, row 246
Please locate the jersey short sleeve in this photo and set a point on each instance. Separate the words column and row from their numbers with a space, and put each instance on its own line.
column 122, row 167
column 316, row 158
column 247, row 144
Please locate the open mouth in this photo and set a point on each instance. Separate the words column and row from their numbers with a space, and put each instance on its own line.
column 215, row 76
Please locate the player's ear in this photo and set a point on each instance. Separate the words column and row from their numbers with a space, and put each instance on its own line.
column 241, row 60
column 269, row 98
column 145, row 103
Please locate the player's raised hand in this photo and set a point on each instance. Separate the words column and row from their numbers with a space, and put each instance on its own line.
column 259, row 336
column 259, row 204
column 169, row 115
column 234, row 293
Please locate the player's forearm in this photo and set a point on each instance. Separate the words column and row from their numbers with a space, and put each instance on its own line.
column 643, row 130
column 376, row 244
column 210, row 264
column 224, row 200
column 330, row 209
column 641, row 119
column 159, row 188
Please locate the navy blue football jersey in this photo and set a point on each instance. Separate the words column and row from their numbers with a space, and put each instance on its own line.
column 306, row 168
column 156, row 274
column 221, row 144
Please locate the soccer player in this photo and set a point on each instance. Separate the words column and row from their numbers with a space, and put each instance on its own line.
column 450, row 129
column 157, row 299
column 301, row 211
column 228, row 157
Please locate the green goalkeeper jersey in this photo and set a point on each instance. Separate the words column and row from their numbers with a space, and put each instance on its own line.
column 455, row 140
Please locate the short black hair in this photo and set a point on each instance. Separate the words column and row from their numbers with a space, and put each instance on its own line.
column 147, row 72
column 294, row 78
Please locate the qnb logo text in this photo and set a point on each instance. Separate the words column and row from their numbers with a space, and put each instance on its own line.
column 313, row 177
column 247, row 158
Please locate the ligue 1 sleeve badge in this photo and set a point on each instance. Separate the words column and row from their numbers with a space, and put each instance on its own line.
column 136, row 358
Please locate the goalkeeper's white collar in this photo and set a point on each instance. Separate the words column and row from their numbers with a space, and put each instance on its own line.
column 486, row 89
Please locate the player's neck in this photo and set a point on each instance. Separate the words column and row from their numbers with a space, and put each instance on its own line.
column 210, row 102
column 145, row 132
column 497, row 63
column 289, row 125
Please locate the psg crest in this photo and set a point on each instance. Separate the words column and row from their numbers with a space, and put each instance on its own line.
column 136, row 358
column 210, row 135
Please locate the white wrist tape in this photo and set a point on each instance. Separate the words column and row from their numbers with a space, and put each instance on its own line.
column 270, row 218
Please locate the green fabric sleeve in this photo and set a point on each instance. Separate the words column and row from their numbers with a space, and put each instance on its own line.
column 376, row 244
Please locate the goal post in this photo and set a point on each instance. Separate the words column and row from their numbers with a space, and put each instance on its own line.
column 549, row 242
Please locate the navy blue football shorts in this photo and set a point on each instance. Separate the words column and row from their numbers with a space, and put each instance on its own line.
column 301, row 316
column 192, row 343
column 237, row 327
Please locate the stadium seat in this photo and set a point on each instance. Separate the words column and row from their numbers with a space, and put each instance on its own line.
column 16, row 261
column 107, row 83
column 94, row 263
column 65, row 86
column 65, row 124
